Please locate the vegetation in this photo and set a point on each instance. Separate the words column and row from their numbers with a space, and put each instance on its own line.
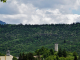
column 28, row 38
column 60, row 53
column 28, row 56
column 40, row 53
column 14, row 58
column 2, row 54
column 3, row 1
column 47, row 54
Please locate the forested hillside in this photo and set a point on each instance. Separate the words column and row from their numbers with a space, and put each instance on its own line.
column 28, row 38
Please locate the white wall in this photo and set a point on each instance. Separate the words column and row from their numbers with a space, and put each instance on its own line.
column 56, row 47
column 6, row 57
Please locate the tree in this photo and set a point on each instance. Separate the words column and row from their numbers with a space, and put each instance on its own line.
column 20, row 57
column 79, row 57
column 23, row 56
column 64, row 53
column 30, row 56
column 37, row 52
column 3, row 1
column 75, row 58
column 51, row 51
column 60, row 52
column 42, row 50
column 2, row 54
column 57, row 57
column 45, row 55
column 14, row 58
column 64, row 41
column 74, row 54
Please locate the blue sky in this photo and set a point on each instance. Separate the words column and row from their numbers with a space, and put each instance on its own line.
column 76, row 11
column 40, row 11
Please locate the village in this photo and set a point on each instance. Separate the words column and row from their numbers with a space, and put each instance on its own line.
column 10, row 57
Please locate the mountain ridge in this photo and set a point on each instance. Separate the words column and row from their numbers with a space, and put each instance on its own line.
column 28, row 38
column 1, row 22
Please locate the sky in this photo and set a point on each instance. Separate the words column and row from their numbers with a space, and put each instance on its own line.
column 40, row 11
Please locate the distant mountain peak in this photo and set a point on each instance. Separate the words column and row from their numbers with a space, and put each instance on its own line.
column 2, row 23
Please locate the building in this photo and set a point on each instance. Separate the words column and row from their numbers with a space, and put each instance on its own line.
column 56, row 47
column 7, row 56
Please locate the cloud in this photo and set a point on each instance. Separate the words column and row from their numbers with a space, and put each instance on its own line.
column 39, row 11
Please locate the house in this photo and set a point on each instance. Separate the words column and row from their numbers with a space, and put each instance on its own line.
column 7, row 56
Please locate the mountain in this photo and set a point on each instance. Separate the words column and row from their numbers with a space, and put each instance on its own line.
column 28, row 38
column 1, row 22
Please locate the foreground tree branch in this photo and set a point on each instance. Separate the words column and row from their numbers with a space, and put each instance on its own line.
column 3, row 1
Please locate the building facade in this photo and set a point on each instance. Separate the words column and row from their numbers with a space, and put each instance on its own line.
column 56, row 47
column 7, row 56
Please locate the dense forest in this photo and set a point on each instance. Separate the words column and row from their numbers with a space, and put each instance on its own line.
column 27, row 38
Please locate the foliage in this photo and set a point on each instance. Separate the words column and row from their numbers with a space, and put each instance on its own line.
column 64, row 53
column 75, row 57
column 20, row 56
column 28, row 56
column 41, row 51
column 57, row 57
column 2, row 54
column 14, row 58
column 28, row 38
column 46, row 55
column 60, row 53
column 74, row 54
column 79, row 57
column 51, row 51
column 3, row 1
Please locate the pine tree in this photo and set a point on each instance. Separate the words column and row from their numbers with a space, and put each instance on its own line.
column 23, row 56
column 64, row 41
column 64, row 53
column 60, row 52
column 20, row 57
column 57, row 57
column 75, row 58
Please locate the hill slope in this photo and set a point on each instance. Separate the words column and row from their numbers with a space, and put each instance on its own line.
column 28, row 38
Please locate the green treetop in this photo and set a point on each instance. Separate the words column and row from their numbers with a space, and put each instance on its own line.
column 64, row 53
column 60, row 52
column 3, row 1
